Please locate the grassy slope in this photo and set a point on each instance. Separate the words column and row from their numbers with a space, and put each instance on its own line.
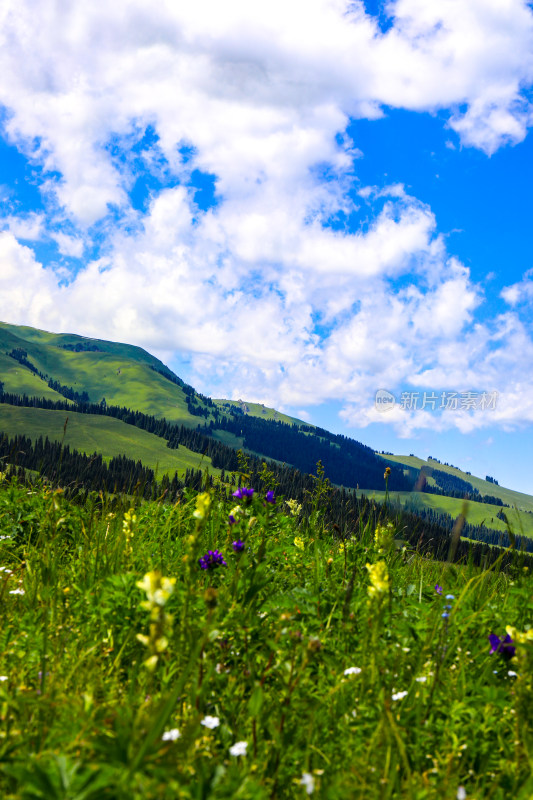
column 259, row 410
column 104, row 435
column 20, row 380
column 120, row 373
column 523, row 502
column 478, row 513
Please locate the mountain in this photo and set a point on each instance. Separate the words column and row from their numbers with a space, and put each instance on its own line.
column 93, row 379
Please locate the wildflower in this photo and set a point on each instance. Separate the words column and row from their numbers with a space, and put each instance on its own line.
column 503, row 646
column 352, row 671
column 438, row 588
column 238, row 546
column 158, row 589
column 450, row 597
column 234, row 515
column 294, row 507
column 521, row 637
column 384, row 537
column 445, row 615
column 270, row 497
column 171, row 736
column 386, row 473
column 3, row 677
column 511, row 673
column 210, row 722
column 17, row 591
column 379, row 579
column 243, row 493
column 399, row 695
column 203, row 501
column 211, row 560
column 308, row 782
column 299, row 543
column 6, row 570
column 238, row 749
column 461, row 793
column 422, row 679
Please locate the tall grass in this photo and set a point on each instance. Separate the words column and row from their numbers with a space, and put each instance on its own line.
column 300, row 665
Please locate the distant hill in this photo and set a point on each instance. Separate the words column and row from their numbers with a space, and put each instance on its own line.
column 122, row 401
column 94, row 374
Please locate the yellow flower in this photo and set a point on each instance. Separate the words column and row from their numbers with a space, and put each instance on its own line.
column 157, row 588
column 520, row 637
column 384, row 537
column 299, row 542
column 379, row 579
column 294, row 507
column 203, row 501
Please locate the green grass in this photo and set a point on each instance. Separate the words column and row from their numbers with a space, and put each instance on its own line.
column 120, row 373
column 522, row 501
column 116, row 684
column 261, row 411
column 20, row 380
column 478, row 513
column 106, row 435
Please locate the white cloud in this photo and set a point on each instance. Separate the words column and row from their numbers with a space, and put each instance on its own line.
column 268, row 300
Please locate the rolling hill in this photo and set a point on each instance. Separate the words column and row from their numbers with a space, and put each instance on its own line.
column 114, row 393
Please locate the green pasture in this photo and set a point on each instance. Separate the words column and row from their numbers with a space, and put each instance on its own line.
column 110, row 437
column 153, row 651
column 477, row 513
column 523, row 501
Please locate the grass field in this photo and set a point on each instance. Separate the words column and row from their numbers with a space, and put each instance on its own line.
column 164, row 652
column 104, row 435
column 521, row 501
column 261, row 411
column 478, row 513
column 120, row 373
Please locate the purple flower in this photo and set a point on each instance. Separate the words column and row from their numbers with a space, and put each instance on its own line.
column 270, row 497
column 243, row 493
column 211, row 560
column 238, row 546
column 231, row 519
column 503, row 646
column 438, row 588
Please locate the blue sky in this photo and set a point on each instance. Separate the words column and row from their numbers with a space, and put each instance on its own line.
column 299, row 203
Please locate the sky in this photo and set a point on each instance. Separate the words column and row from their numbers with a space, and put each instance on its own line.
column 321, row 205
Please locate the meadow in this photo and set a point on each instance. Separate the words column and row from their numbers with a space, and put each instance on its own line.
column 230, row 646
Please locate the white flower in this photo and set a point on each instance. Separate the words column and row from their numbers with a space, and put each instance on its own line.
column 171, row 736
column 309, row 782
column 422, row 679
column 461, row 793
column 512, row 673
column 350, row 671
column 3, row 677
column 6, row 570
column 399, row 695
column 210, row 722
column 17, row 591
column 238, row 749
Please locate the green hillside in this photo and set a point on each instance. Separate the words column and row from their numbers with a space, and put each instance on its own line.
column 478, row 513
column 523, row 502
column 122, row 374
column 110, row 437
column 258, row 410
column 19, row 380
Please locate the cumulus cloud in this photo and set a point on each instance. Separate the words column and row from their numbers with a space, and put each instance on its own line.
column 266, row 295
